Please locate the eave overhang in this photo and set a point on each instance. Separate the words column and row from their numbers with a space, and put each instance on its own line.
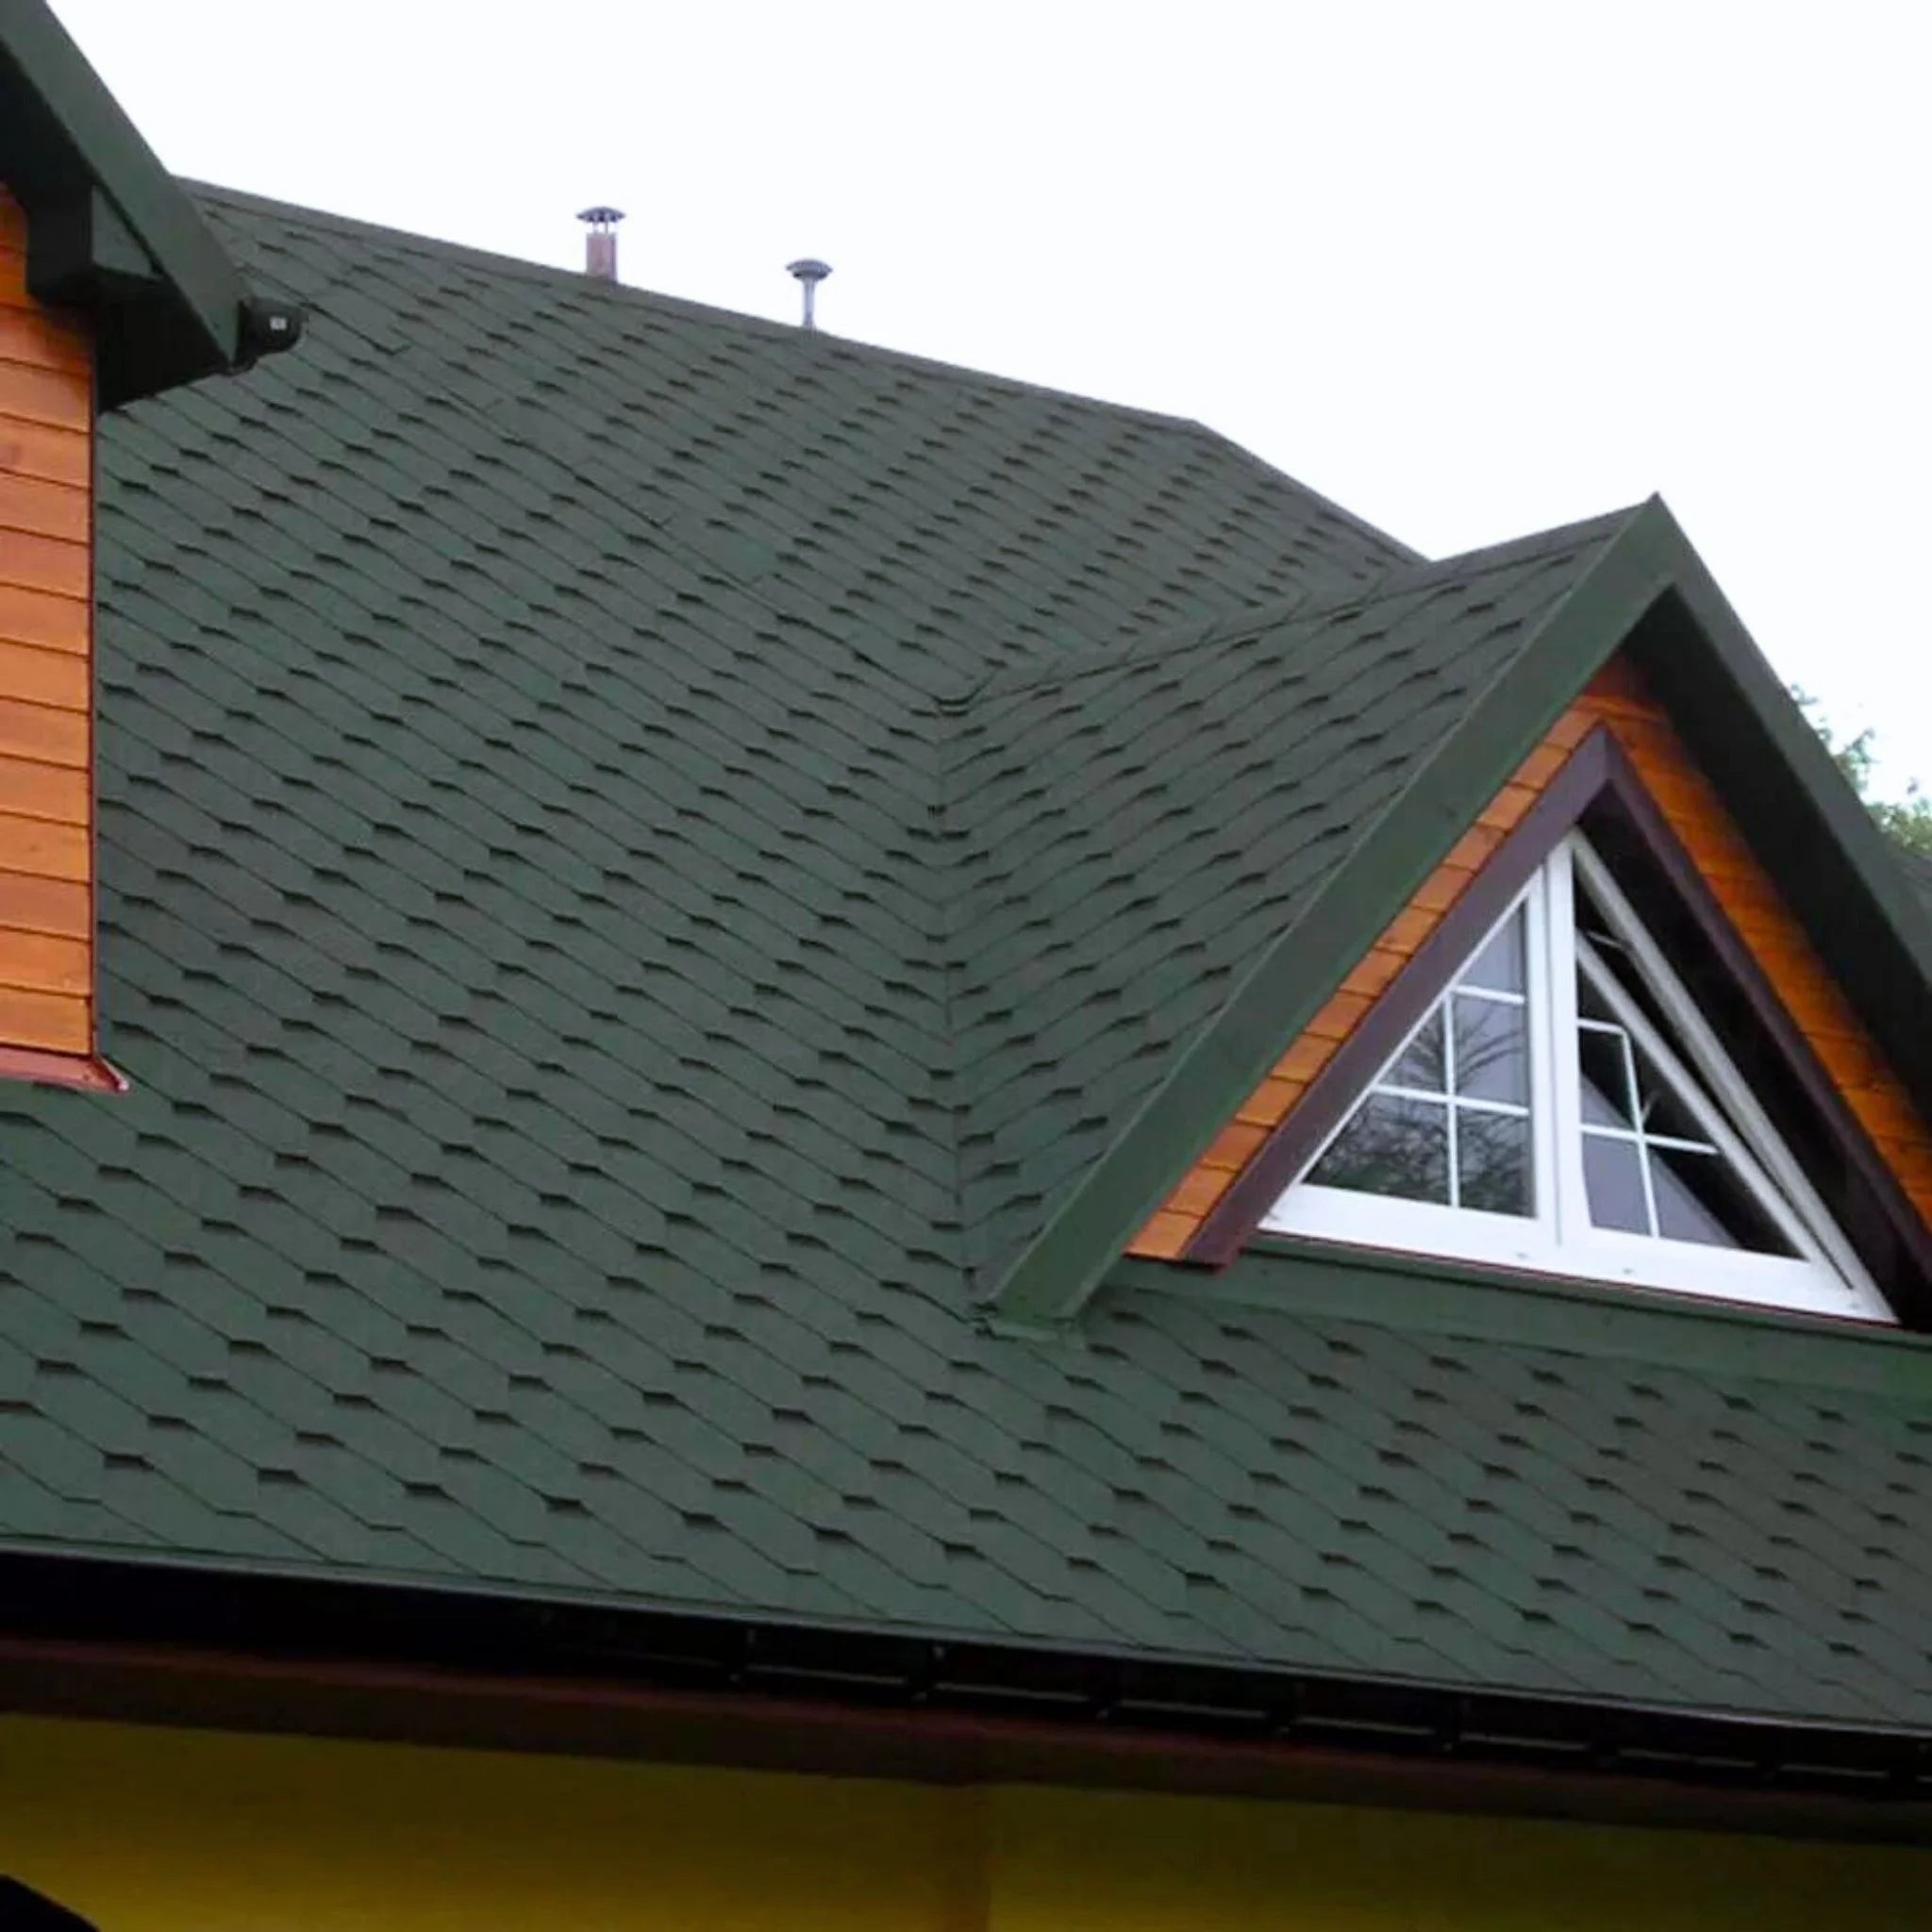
column 109, row 231
column 168, row 1644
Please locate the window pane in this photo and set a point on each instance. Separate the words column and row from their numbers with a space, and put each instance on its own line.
column 1492, row 1161
column 1420, row 1063
column 1700, row 1199
column 1615, row 1183
column 1613, row 954
column 1663, row 1111
column 1392, row 1146
column 1492, row 1050
column 1499, row 966
column 1590, row 923
column 1605, row 1074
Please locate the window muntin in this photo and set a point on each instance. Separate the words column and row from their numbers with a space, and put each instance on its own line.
column 1448, row 1121
column 1563, row 1108
column 1656, row 1157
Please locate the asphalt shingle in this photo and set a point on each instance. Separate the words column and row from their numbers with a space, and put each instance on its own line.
column 641, row 851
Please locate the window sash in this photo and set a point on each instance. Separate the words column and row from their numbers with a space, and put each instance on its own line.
column 1645, row 1038
column 1723, row 1080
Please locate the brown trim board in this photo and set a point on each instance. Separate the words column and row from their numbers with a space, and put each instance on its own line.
column 1888, row 1230
column 603, row 1717
column 88, row 1072
column 1408, row 996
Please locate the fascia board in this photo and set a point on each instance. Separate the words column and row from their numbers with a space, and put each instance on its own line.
column 156, row 209
column 1783, row 742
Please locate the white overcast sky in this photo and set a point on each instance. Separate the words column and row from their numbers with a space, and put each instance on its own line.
column 1471, row 268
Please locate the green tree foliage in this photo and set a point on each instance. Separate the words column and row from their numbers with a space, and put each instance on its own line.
column 1907, row 820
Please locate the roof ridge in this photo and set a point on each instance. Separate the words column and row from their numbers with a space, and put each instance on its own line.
column 692, row 308
column 1308, row 607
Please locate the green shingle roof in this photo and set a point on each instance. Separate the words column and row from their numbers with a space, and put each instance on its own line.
column 645, row 856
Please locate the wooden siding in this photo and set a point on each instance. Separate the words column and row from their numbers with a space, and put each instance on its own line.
column 46, row 601
column 1740, row 886
column 1755, row 908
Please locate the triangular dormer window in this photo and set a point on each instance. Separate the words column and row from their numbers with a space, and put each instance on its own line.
column 1565, row 1106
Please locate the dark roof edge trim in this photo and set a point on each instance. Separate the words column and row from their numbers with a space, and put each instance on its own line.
column 148, row 199
column 1054, row 1278
column 103, row 1605
column 1867, row 872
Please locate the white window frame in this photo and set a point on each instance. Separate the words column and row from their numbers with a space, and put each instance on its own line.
column 1825, row 1277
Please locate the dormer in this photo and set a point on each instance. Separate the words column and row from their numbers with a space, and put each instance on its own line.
column 112, row 289
column 1559, row 954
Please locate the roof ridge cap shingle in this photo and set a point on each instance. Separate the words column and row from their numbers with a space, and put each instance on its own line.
column 1085, row 661
column 818, row 341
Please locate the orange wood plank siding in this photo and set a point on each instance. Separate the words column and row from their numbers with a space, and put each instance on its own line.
column 46, row 639
column 1740, row 886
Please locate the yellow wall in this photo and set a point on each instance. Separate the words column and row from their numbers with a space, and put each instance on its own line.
column 1118, row 1862
column 153, row 1830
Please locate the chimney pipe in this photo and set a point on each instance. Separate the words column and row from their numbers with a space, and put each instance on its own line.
column 810, row 274
column 600, row 245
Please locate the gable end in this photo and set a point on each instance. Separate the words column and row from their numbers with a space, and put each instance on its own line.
column 1618, row 761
